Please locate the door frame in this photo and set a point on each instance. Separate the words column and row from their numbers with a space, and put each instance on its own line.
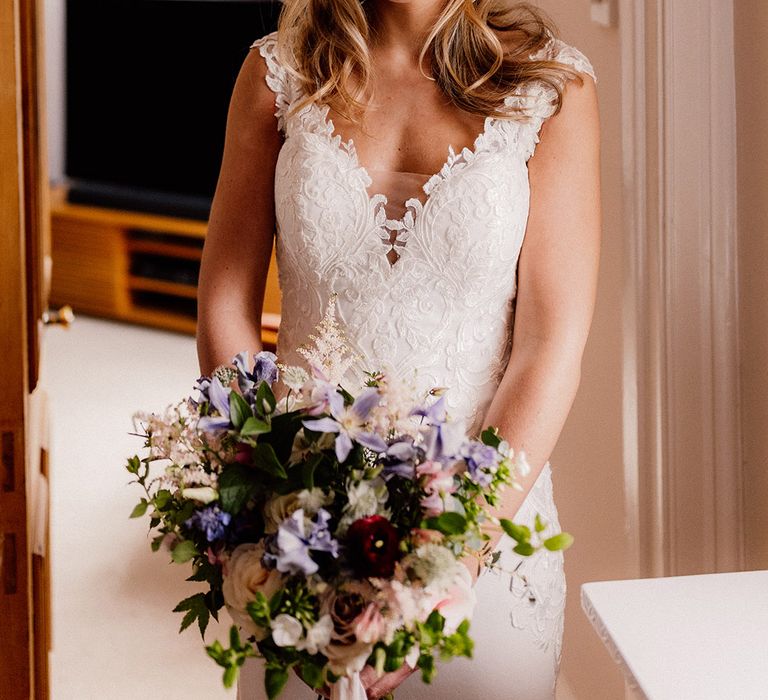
column 683, row 464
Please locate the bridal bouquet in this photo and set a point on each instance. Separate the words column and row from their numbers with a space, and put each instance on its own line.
column 331, row 525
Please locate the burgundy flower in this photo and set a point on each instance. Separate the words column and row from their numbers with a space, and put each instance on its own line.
column 373, row 545
column 244, row 453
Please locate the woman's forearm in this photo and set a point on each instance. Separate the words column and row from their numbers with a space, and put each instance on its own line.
column 529, row 409
column 220, row 339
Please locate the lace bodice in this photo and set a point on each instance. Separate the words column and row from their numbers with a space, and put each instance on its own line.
column 446, row 306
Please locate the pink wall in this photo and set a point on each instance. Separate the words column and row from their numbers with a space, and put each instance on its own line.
column 751, row 27
column 587, row 463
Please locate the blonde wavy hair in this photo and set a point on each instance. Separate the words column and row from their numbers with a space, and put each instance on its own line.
column 325, row 44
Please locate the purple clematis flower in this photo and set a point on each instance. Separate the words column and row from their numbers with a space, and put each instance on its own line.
column 349, row 422
column 443, row 441
column 264, row 370
column 433, row 414
column 399, row 459
column 219, row 399
column 293, row 543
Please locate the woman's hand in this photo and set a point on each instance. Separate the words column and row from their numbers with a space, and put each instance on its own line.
column 375, row 687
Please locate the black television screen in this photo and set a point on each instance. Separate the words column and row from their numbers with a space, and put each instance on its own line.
column 148, row 88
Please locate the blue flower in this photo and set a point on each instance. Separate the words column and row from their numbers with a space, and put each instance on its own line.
column 293, row 543
column 349, row 422
column 212, row 521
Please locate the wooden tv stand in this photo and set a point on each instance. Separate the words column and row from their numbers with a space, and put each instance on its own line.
column 135, row 267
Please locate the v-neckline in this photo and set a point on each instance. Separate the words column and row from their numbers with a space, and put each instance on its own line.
column 446, row 169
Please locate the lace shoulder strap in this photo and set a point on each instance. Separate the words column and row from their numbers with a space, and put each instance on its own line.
column 278, row 79
column 539, row 98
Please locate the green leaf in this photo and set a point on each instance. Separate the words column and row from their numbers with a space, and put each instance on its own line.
column 448, row 523
column 196, row 610
column 230, row 675
column 312, row 673
column 239, row 410
column 560, row 541
column 236, row 485
column 133, row 465
column 140, row 508
column 426, row 663
column 519, row 533
column 162, row 499
column 308, row 471
column 184, row 551
column 539, row 524
column 264, row 458
column 490, row 436
column 275, row 600
column 525, row 549
column 264, row 394
column 255, row 426
column 274, row 681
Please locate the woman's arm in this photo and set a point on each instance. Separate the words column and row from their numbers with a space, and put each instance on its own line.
column 557, row 284
column 238, row 242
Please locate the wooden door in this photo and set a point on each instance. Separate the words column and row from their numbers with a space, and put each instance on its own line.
column 24, row 285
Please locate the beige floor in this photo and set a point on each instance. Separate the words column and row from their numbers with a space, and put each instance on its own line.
column 114, row 635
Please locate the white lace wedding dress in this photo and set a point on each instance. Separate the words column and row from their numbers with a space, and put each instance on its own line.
column 445, row 306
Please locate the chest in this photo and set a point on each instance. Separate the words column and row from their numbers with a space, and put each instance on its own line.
column 408, row 128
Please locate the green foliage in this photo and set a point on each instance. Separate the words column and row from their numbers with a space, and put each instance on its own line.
column 140, row 508
column 448, row 523
column 231, row 659
column 312, row 672
column 239, row 410
column 490, row 436
column 264, row 458
column 237, row 484
column 196, row 609
column 275, row 679
column 560, row 541
column 184, row 551
column 519, row 533
column 254, row 426
column 265, row 399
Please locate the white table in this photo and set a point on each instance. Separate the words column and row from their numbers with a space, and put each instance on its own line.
column 686, row 637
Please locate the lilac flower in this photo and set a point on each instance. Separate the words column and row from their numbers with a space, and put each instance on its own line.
column 434, row 414
column 219, row 399
column 212, row 521
column 293, row 543
column 481, row 461
column 349, row 422
column 399, row 458
column 443, row 441
column 264, row 369
column 201, row 384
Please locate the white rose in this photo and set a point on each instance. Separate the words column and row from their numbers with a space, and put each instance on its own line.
column 245, row 576
column 286, row 630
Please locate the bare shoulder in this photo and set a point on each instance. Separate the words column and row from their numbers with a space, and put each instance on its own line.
column 252, row 104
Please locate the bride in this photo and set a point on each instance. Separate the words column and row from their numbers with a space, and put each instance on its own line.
column 435, row 165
